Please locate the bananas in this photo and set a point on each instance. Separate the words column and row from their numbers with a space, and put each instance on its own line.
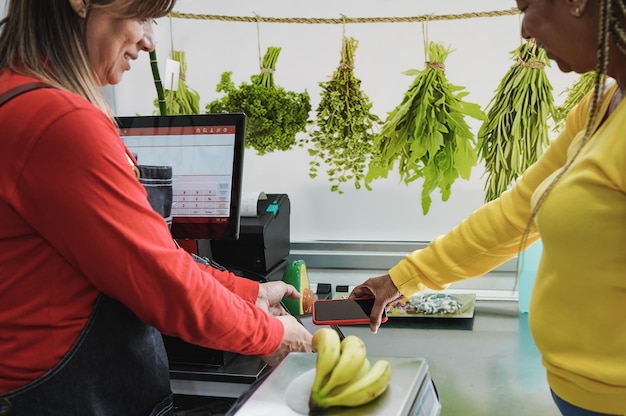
column 326, row 344
column 343, row 374
column 353, row 354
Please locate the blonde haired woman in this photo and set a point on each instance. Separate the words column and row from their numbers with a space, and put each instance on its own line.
column 90, row 276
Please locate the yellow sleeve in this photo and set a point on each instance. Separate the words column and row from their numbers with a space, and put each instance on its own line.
column 492, row 234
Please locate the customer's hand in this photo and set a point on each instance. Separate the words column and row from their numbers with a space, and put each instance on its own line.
column 270, row 295
column 295, row 339
column 384, row 292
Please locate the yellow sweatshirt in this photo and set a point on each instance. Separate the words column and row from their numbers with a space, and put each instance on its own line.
column 578, row 307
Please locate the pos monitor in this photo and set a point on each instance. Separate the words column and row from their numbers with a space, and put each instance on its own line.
column 206, row 153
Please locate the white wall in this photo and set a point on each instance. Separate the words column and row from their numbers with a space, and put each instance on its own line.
column 310, row 53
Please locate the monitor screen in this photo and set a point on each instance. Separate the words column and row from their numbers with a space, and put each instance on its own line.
column 205, row 152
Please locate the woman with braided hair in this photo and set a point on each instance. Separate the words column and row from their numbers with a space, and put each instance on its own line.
column 574, row 199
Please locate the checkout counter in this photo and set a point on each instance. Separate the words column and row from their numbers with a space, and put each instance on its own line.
column 490, row 367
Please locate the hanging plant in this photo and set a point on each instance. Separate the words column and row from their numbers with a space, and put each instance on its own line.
column 575, row 93
column 183, row 100
column 274, row 115
column 515, row 133
column 158, row 85
column 344, row 130
column 427, row 134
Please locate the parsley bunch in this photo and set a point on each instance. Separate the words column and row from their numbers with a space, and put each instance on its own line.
column 344, row 130
column 274, row 115
column 427, row 134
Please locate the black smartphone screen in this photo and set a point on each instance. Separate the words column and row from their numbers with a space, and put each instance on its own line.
column 351, row 310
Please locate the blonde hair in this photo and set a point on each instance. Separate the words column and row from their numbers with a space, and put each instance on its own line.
column 609, row 28
column 45, row 40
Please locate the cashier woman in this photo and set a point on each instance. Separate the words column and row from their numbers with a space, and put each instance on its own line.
column 574, row 199
column 89, row 273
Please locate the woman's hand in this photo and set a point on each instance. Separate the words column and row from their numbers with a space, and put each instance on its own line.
column 295, row 339
column 384, row 292
column 270, row 295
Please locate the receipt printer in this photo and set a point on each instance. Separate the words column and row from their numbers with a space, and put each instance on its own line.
column 263, row 239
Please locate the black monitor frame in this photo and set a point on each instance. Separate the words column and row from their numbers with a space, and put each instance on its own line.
column 198, row 227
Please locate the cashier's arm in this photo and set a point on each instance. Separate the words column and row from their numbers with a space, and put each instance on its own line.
column 296, row 338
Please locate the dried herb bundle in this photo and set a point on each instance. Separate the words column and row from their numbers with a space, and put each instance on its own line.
column 427, row 134
column 183, row 100
column 575, row 93
column 274, row 115
column 515, row 133
column 344, row 130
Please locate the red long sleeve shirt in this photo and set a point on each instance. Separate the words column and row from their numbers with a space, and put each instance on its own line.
column 75, row 222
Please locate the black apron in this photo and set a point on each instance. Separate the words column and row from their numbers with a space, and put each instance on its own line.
column 117, row 366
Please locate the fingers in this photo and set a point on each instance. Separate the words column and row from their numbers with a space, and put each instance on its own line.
column 291, row 292
column 377, row 313
column 361, row 291
column 278, row 310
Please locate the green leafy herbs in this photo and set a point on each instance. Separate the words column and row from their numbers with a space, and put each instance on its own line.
column 274, row 115
column 516, row 130
column 344, row 129
column 575, row 93
column 183, row 100
column 427, row 134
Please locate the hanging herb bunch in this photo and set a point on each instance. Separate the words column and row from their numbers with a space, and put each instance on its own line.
column 183, row 100
column 427, row 134
column 158, row 85
column 575, row 93
column 344, row 130
column 274, row 115
column 515, row 133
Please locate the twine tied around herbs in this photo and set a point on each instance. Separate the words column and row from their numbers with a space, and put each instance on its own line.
column 533, row 63
column 343, row 64
column 437, row 66
column 258, row 41
column 347, row 66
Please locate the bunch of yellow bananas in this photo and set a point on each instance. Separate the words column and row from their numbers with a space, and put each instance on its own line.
column 343, row 374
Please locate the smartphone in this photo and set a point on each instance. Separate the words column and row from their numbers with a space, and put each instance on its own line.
column 348, row 311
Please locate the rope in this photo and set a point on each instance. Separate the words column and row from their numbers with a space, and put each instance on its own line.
column 344, row 19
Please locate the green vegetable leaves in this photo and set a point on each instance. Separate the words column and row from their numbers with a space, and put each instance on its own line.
column 516, row 131
column 575, row 93
column 427, row 134
column 183, row 100
column 344, row 129
column 275, row 116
